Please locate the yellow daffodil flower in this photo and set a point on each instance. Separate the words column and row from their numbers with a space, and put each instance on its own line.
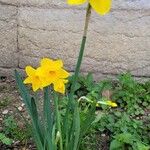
column 100, row 6
column 33, row 78
column 49, row 72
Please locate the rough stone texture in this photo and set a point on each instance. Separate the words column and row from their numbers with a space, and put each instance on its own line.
column 8, row 36
column 9, row 2
column 117, row 42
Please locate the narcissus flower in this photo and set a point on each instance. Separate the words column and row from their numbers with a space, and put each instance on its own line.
column 33, row 78
column 49, row 72
column 100, row 6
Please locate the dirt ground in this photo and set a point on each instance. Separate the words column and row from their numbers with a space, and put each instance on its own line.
column 11, row 105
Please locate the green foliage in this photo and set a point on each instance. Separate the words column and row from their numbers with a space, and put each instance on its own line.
column 12, row 130
column 132, row 97
column 131, row 115
column 5, row 140
column 85, row 86
column 127, row 141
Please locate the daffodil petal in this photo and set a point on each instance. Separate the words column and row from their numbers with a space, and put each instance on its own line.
column 58, row 63
column 59, row 86
column 63, row 73
column 76, row 2
column 30, row 70
column 35, row 87
column 45, row 62
column 27, row 80
column 40, row 72
column 65, row 81
column 101, row 6
column 50, row 64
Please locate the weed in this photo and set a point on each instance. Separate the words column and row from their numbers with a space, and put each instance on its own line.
column 12, row 129
column 130, row 118
column 5, row 140
column 4, row 102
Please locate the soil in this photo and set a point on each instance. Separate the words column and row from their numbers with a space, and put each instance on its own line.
column 10, row 101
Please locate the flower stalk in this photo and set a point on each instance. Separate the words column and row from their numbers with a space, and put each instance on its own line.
column 79, row 61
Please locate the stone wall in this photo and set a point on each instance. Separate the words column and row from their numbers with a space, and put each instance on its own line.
column 117, row 42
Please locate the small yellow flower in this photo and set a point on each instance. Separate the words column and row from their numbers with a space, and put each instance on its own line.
column 100, row 6
column 33, row 78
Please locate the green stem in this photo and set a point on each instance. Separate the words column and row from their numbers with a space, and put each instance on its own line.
column 77, row 69
column 80, row 57
column 58, row 120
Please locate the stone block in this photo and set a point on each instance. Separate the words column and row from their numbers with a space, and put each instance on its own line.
column 8, row 36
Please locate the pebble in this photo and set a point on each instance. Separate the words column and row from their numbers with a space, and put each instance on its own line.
column 20, row 108
column 27, row 116
column 20, row 98
column 11, row 112
column 16, row 142
column 103, row 135
column 1, row 119
column 5, row 112
column 22, row 104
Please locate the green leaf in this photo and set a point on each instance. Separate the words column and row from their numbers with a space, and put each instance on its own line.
column 116, row 145
column 145, row 104
column 98, row 117
column 5, row 140
column 23, row 91
column 32, row 110
column 141, row 146
column 48, row 118
column 36, row 124
column 125, row 138
column 58, row 121
column 87, row 122
column 76, row 129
